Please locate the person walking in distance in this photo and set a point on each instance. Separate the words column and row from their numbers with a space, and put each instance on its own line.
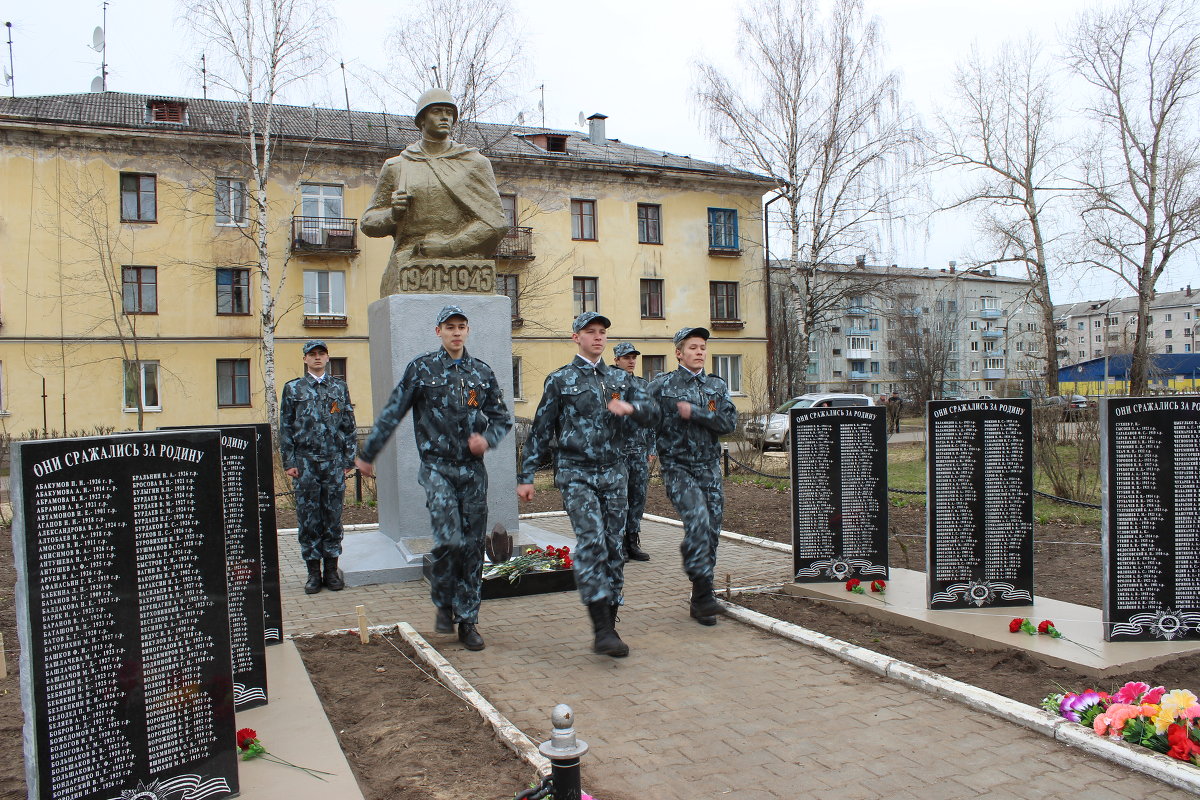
column 458, row 415
column 316, row 445
column 696, row 411
column 894, row 405
column 592, row 410
column 639, row 453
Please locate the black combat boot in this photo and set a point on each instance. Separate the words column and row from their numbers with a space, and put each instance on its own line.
column 444, row 623
column 633, row 548
column 704, row 606
column 313, row 584
column 607, row 642
column 333, row 576
column 469, row 636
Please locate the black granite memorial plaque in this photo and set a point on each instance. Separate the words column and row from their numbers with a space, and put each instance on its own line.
column 243, row 562
column 839, row 494
column 269, row 536
column 1150, row 525
column 121, row 611
column 979, row 503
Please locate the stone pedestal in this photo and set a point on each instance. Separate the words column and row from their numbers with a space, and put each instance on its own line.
column 401, row 328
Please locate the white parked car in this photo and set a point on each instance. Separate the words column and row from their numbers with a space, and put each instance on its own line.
column 771, row 430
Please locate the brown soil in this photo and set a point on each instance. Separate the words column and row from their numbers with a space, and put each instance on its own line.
column 1067, row 567
column 406, row 735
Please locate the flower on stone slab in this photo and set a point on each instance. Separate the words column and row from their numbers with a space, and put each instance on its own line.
column 854, row 585
column 250, row 747
column 879, row 586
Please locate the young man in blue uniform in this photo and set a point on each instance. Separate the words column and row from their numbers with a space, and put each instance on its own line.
column 316, row 444
column 458, row 415
column 592, row 410
column 639, row 450
column 696, row 411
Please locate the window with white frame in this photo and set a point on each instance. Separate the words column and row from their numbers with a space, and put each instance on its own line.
column 324, row 293
column 729, row 369
column 993, row 363
column 233, row 382
column 141, row 386
column 320, row 200
column 230, row 206
column 518, row 389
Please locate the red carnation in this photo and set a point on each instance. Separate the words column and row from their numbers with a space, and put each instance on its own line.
column 878, row 586
column 1044, row 626
column 246, row 737
column 1015, row 624
column 852, row 584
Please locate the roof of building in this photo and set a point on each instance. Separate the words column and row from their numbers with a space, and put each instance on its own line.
column 1161, row 365
column 1127, row 305
column 917, row 273
column 371, row 129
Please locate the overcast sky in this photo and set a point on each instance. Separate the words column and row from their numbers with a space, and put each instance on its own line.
column 630, row 59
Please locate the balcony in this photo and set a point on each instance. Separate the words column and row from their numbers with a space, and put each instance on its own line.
column 910, row 312
column 864, row 354
column 992, row 334
column 517, row 245
column 325, row 321
column 859, row 375
column 860, row 331
column 993, row 373
column 317, row 235
column 726, row 324
column 856, row 311
column 991, row 313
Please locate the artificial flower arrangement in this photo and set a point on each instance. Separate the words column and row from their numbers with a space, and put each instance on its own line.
column 249, row 746
column 854, row 585
column 536, row 559
column 1044, row 628
column 1162, row 721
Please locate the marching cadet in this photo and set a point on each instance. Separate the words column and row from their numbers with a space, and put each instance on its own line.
column 458, row 415
column 639, row 450
column 592, row 410
column 316, row 444
column 696, row 412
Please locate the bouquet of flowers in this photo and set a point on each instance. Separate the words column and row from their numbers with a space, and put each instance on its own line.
column 1045, row 628
column 854, row 585
column 535, row 559
column 250, row 747
column 1154, row 718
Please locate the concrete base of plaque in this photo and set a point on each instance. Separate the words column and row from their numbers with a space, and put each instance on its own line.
column 401, row 328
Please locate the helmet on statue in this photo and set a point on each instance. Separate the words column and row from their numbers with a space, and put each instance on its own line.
column 436, row 96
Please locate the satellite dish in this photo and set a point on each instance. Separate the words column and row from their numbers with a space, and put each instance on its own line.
column 582, row 121
column 98, row 39
column 97, row 84
column 7, row 77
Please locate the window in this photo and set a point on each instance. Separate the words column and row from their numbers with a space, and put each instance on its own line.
column 233, row 382
column 875, row 367
column 230, row 201
column 1095, row 323
column 858, row 343
column 873, row 324
column 729, row 368
column 653, row 365
column 168, row 111
column 336, row 368
column 993, row 363
column 585, row 295
column 974, row 366
column 649, row 223
column 1170, row 349
column 583, row 220
column 233, row 291
column 138, row 197
column 951, row 306
column 324, row 293
column 509, row 286
column 141, row 386
column 1168, row 333
column 974, row 347
column 320, row 200
column 1168, row 317
column 139, row 290
column 518, row 392
column 723, row 300
column 509, row 203
column 722, row 229
column 652, row 298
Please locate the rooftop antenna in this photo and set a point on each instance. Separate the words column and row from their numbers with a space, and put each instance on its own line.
column 8, row 73
column 437, row 80
column 542, row 103
column 203, row 76
column 100, row 82
column 346, row 89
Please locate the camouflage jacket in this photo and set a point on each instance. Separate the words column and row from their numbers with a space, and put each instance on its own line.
column 574, row 409
column 316, row 421
column 641, row 442
column 695, row 440
column 450, row 400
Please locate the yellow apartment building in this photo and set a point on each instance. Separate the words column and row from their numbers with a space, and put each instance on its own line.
column 129, row 286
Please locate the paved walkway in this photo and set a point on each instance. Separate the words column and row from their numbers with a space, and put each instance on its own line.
column 699, row 712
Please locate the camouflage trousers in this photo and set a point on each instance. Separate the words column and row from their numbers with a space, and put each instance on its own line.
column 595, row 501
column 638, row 466
column 320, row 492
column 695, row 491
column 456, row 496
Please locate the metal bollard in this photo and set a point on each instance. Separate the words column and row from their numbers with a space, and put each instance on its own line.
column 725, row 458
column 564, row 752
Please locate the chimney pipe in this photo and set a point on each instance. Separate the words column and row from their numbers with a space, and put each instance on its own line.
column 953, row 267
column 596, row 128
column 860, row 262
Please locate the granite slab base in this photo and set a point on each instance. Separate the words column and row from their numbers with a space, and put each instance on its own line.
column 988, row 627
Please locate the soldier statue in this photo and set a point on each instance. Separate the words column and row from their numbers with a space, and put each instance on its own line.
column 458, row 415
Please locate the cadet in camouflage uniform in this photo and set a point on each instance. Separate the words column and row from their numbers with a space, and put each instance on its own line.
column 458, row 415
column 316, row 444
column 639, row 449
column 696, row 411
column 592, row 410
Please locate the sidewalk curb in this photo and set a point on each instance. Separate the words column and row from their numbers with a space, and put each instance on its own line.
column 509, row 734
column 1147, row 762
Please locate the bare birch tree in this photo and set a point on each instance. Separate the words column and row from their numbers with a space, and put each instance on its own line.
column 1002, row 132
column 1141, row 182
column 258, row 49
column 817, row 112
column 471, row 48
